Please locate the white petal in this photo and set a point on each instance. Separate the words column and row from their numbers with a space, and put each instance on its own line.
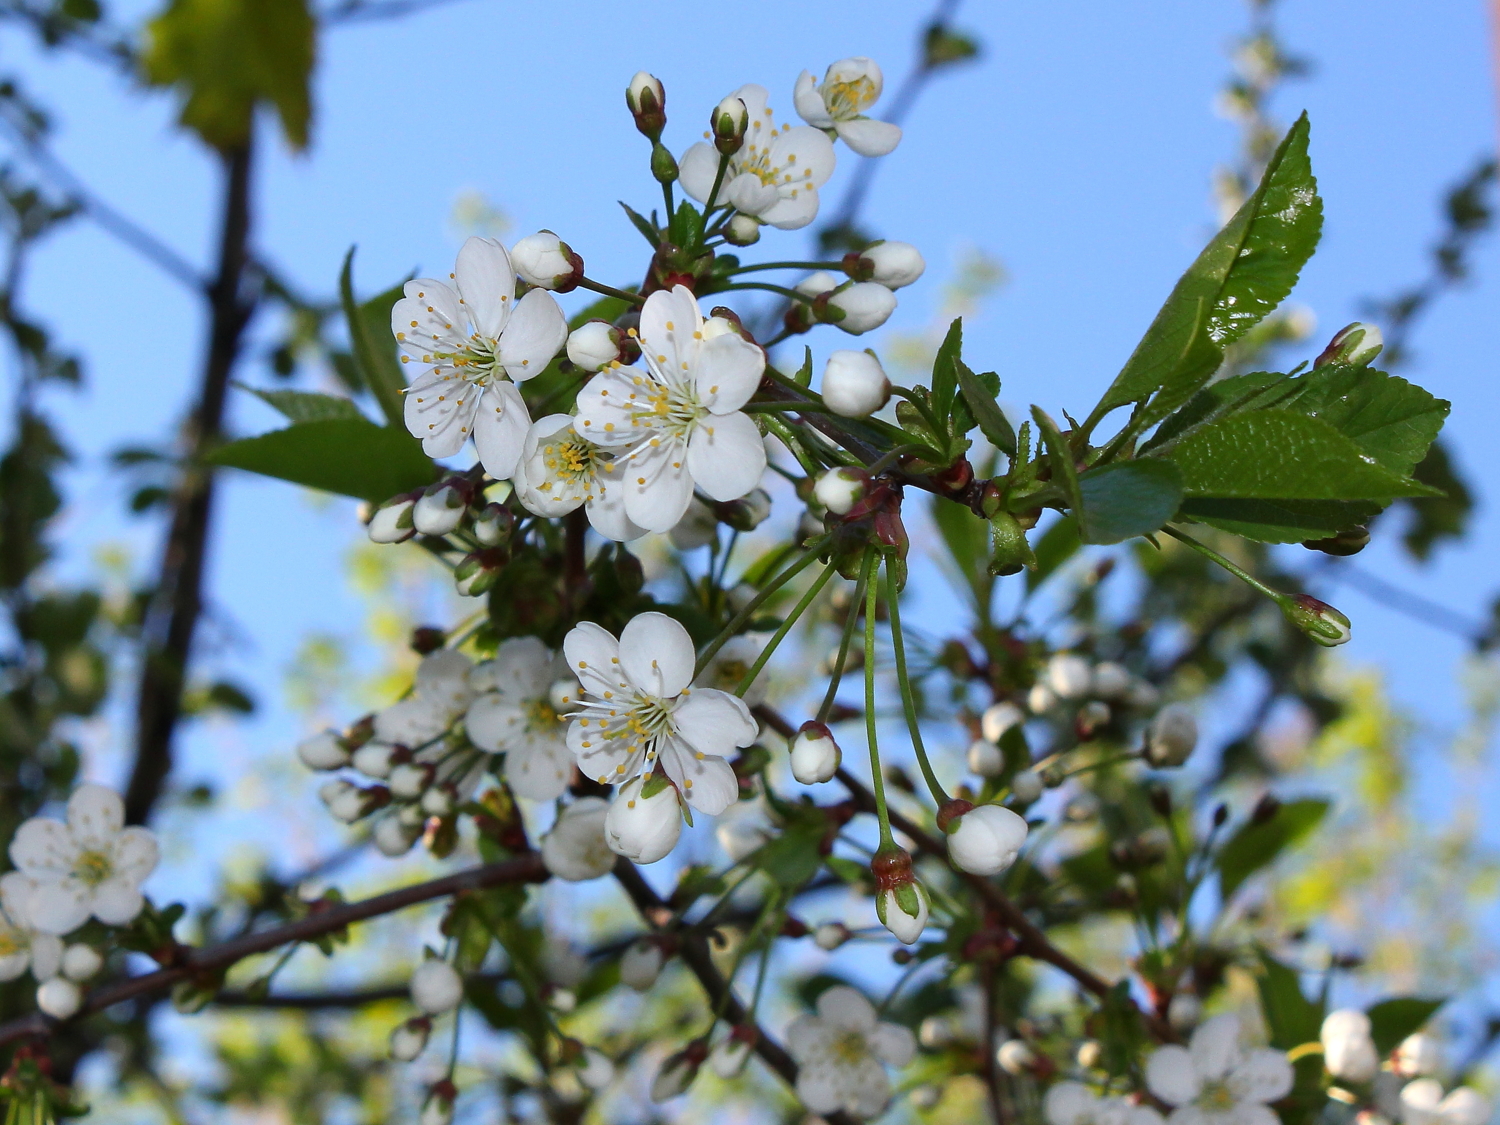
column 658, row 486
column 749, row 194
column 1264, row 1076
column 443, row 678
column 808, row 100
column 697, row 169
column 16, row 890
column 95, row 815
column 500, row 428
column 708, row 783
column 14, row 964
column 794, row 209
column 442, row 415
column 657, row 655
column 846, row 1008
column 438, row 315
column 1251, row 1113
column 715, row 722
column 44, row 848
column 607, row 516
column 670, row 328
column 1069, row 1103
column 868, row 1090
column 813, row 151
column 117, row 902
column 728, row 371
column 524, row 668
column 726, row 456
column 410, row 722
column 59, row 908
column 819, row 1088
column 1215, row 1046
column 755, row 96
column 135, row 855
column 537, row 331
column 608, row 761
column 604, row 408
column 893, row 1043
column 540, row 769
column 869, row 137
column 806, row 1036
column 1170, row 1075
column 592, row 654
column 46, row 955
column 494, row 724
column 486, row 284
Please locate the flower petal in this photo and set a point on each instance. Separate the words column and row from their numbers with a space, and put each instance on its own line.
column 1215, row 1046
column 808, row 101
column 95, row 815
column 117, row 902
column 894, row 1044
column 429, row 314
column 605, row 410
column 14, row 964
column 1069, row 1103
column 728, row 370
column 715, row 722
column 442, row 414
column 697, row 169
column 486, row 284
column 539, row 769
column 500, row 429
column 749, row 194
column 44, row 848
column 806, row 1036
column 46, row 956
column 1264, row 1076
column 606, row 512
column 593, row 655
column 869, row 137
column 494, row 724
column 868, row 1090
column 658, row 485
column 726, row 456
column 847, row 1009
column 708, row 783
column 1170, row 1075
column 136, row 854
column 61, row 907
column 802, row 149
column 795, row 208
column 609, row 761
column 536, row 332
column 657, row 655
column 671, row 329
column 1251, row 1113
column 524, row 668
column 410, row 722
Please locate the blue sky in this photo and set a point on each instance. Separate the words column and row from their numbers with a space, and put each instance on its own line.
column 1078, row 150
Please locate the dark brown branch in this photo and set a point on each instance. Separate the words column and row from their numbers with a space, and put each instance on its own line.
column 177, row 602
column 527, row 868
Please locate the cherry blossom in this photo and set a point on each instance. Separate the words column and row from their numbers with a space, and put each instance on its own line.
column 561, row 470
column 512, row 713
column 849, row 87
column 1216, row 1080
column 842, row 1053
column 1073, row 1103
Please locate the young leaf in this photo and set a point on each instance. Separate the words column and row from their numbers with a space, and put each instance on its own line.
column 347, row 456
column 303, row 406
column 1059, row 456
column 1256, row 846
column 373, row 345
column 1291, row 1018
column 1280, row 521
column 981, row 402
column 1127, row 499
column 1238, row 393
column 1393, row 1020
column 1387, row 417
column 642, row 224
column 944, row 373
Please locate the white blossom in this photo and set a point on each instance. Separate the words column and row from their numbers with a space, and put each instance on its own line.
column 904, row 924
column 643, row 826
column 638, row 709
column 59, row 998
column 854, row 384
column 830, row 935
column 393, row 838
column 1348, row 1049
column 641, row 964
column 774, row 177
column 1068, row 676
column 1423, row 1103
column 1172, row 736
column 512, row 714
column 81, row 962
column 743, row 230
column 439, row 509
column 323, row 751
column 849, row 88
column 1184, row 1012
column 1026, row 786
column 816, row 284
column 815, row 756
column 1111, row 680
column 894, row 264
column 90, row 865
column 985, row 758
column 987, row 840
column 561, row 470
column 575, row 849
column 1073, row 1103
column 999, row 718
column 1419, row 1054
column 842, row 1053
column 676, row 424
column 1216, row 1080
column 440, row 694
column 866, row 305
column 475, row 341
column 595, row 1071
column 594, row 345
column 436, row 987
column 22, row 945
column 1015, row 1057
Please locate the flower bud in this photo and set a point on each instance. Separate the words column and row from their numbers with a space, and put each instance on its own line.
column 1068, row 676
column 728, row 123
column 546, row 261
column 374, row 759
column 698, row 527
column 866, row 305
column 840, row 489
column 643, row 827
column 59, row 998
column 1026, row 786
column 440, row 509
column 999, row 718
column 438, row 1109
column 900, row 901
column 409, row 1039
column 1111, row 681
column 985, row 758
column 393, row 837
column 1184, row 1012
column 492, row 524
column 595, row 1071
column 575, row 850
column 816, row 284
column 409, row 780
column 594, row 345
column 1171, row 737
column 729, row 1057
column 392, row 521
column 648, row 104
column 854, row 384
column 1348, row 1050
column 748, row 512
column 477, row 572
column 323, row 751
column 1356, row 344
column 1040, row 699
column 743, row 230
column 1465, row 1106
column 985, row 840
column 80, row 962
column 893, row 264
column 1419, row 1054
column 935, row 1032
column 1015, row 1057
column 436, row 987
column 1090, row 1053
column 678, row 1072
column 440, row 800
column 1323, row 624
column 816, row 757
column 348, row 802
column 641, row 964
column 663, row 164
column 831, row 935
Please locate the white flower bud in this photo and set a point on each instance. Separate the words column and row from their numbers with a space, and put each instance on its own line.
column 80, row 962
column 1356, row 344
column 674, row 1077
column 985, row 758
column 831, row 935
column 1068, row 676
column 1026, row 786
column 1090, row 1053
column 409, row 780
column 440, row 800
column 436, row 987
column 594, row 345
column 546, row 261
column 393, row 838
column 728, row 123
column 412, row 818
column 596, row 1071
column 698, row 527
column 905, row 925
column 641, row 964
column 854, row 384
column 866, row 306
column 643, row 829
column 373, row 759
column 987, row 840
column 817, row 284
column 1420, row 1101
column 490, row 525
column 894, row 264
column 728, row 1059
column 575, row 850
column 1111, row 681
column 1040, row 699
column 1348, row 1051
column 1015, row 1057
column 743, row 230
column 935, row 1032
column 409, row 1039
column 840, row 489
column 439, row 511
column 1323, row 624
column 1184, row 1012
column 1419, row 1054
column 59, row 998
column 392, row 523
column 641, row 87
column 345, row 800
column 1465, row 1106
column 323, row 751
column 1172, row 737
column 816, row 757
column 437, row 1111
column 999, row 718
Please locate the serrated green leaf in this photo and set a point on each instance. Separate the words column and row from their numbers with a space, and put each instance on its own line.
column 1059, row 457
column 347, row 456
column 1238, row 393
column 1393, row 1020
column 304, row 406
column 944, row 373
column 1291, row 1018
column 1390, row 419
column 226, row 56
column 1280, row 521
column 642, row 224
column 1127, row 499
column 373, row 346
column 979, row 395
column 1255, row 846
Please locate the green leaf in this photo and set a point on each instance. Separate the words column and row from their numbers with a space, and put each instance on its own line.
column 1127, row 499
column 1280, row 521
column 980, row 395
column 1058, row 544
column 1393, row 1020
column 374, row 347
column 1390, row 419
column 227, row 56
column 302, row 406
column 347, row 456
column 1238, row 393
column 1060, row 457
column 1255, row 846
column 1291, row 1018
column 944, row 373
column 1281, row 455
column 642, row 224
column 792, row 858
column 967, row 538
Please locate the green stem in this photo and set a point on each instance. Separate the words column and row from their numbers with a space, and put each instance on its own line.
column 713, row 195
column 789, row 294
column 1239, row 572
column 666, row 196
column 877, row 781
column 786, row 627
column 611, row 291
column 838, row 669
column 908, row 701
column 809, row 556
column 786, row 266
column 810, row 465
column 785, row 408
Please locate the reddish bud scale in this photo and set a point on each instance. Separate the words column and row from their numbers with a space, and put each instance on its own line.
column 575, row 261
column 745, row 1033
column 360, row 732
column 956, row 478
column 425, row 639
column 445, row 1089
column 951, row 811
column 891, row 868
column 857, row 267
column 695, row 1052
column 793, row 927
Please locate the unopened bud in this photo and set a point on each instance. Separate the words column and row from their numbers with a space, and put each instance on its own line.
column 392, row 521
column 440, row 800
column 831, row 935
column 409, row 1039
column 900, row 901
column 1026, row 787
column 743, row 230
column 409, row 780
column 678, row 1072
column 477, row 572
column 80, row 961
column 1010, row 553
column 374, row 759
column 1348, row 542
column 641, row 964
column 436, row 987
column 893, row 264
column 1356, row 344
column 986, row 840
column 323, row 751
column 815, row 755
column 1015, row 1057
column 348, row 802
column 1323, row 624
column 748, row 512
column 698, row 527
column 546, row 261
column 594, row 345
column 729, row 121
column 999, row 718
column 1068, row 676
column 1171, row 738
column 840, row 489
column 663, row 164
column 440, row 509
column 648, row 104
column 854, row 384
column 394, row 837
column 59, row 998
column 1111, row 681
column 492, row 525
column 985, row 758
column 865, row 306
column 1090, row 1054
column 1184, row 1012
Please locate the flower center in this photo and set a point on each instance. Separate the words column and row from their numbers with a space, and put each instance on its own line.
column 11, row 942
column 1216, row 1095
column 671, row 407
column 848, row 98
column 573, row 462
column 93, row 867
column 849, row 1047
column 475, row 362
column 541, row 717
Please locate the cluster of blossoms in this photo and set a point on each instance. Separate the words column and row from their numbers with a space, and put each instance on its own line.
column 1401, row 1087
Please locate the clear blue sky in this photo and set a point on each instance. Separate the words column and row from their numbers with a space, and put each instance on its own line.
column 1078, row 151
